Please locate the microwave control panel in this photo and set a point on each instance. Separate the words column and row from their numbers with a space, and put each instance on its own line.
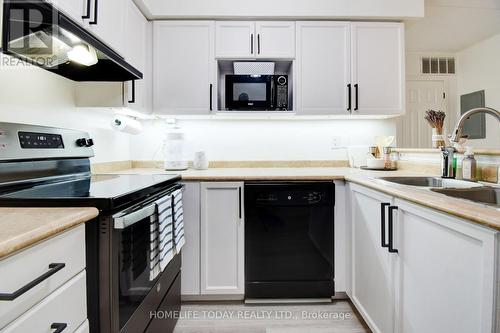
column 282, row 93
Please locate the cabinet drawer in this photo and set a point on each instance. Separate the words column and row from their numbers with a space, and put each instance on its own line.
column 67, row 305
column 20, row 269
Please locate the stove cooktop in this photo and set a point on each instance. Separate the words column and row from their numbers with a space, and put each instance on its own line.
column 105, row 192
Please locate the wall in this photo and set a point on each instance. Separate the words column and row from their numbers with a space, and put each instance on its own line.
column 35, row 96
column 264, row 139
column 479, row 68
column 162, row 9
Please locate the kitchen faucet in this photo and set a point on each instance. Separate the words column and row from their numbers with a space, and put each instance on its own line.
column 448, row 166
column 457, row 132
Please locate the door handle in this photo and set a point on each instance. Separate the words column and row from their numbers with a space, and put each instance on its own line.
column 96, row 12
column 382, row 224
column 251, row 43
column 356, row 88
column 391, row 229
column 349, row 101
column 87, row 14
column 133, row 92
column 258, row 43
column 211, row 88
column 53, row 269
column 58, row 327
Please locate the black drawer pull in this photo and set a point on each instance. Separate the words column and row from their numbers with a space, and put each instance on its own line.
column 356, row 88
column 349, row 101
column 391, row 229
column 133, row 93
column 258, row 43
column 251, row 43
column 87, row 15
column 58, row 327
column 239, row 202
column 96, row 12
column 53, row 268
column 382, row 224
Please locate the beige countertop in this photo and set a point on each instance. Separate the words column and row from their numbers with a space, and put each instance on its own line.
column 22, row 227
column 478, row 213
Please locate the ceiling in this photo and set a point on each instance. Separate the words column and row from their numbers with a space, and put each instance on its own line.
column 453, row 25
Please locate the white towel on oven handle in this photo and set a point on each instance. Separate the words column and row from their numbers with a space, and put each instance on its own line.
column 162, row 244
column 179, row 239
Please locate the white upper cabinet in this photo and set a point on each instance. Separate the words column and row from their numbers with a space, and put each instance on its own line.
column 244, row 39
column 275, row 39
column 323, row 66
column 137, row 51
column 184, row 67
column 378, row 75
column 235, row 39
column 108, row 23
column 76, row 9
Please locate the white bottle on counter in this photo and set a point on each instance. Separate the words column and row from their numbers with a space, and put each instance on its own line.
column 469, row 165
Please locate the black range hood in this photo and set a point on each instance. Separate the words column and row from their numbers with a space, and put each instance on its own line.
column 38, row 33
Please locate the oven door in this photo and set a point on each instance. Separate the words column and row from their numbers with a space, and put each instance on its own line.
column 249, row 92
column 132, row 246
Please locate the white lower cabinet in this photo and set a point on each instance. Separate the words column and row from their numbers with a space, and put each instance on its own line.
column 372, row 282
column 222, row 238
column 445, row 273
column 190, row 283
column 439, row 277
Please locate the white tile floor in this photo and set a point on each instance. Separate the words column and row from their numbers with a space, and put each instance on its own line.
column 337, row 317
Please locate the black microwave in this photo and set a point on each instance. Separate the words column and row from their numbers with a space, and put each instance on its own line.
column 257, row 92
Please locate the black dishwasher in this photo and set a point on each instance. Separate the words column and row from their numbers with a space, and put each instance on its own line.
column 289, row 230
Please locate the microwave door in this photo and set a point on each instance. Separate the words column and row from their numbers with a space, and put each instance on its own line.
column 247, row 92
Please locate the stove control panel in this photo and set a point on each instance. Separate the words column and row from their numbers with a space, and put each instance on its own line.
column 28, row 142
column 31, row 140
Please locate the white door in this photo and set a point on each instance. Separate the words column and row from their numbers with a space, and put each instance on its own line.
column 222, row 239
column 378, row 69
column 323, row 65
column 137, row 48
column 190, row 278
column 109, row 23
column 446, row 273
column 184, row 67
column 372, row 283
column 275, row 39
column 235, row 39
column 421, row 95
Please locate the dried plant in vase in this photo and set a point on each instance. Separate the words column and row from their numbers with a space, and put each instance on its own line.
column 436, row 120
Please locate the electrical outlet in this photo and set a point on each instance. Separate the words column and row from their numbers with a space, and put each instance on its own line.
column 336, row 142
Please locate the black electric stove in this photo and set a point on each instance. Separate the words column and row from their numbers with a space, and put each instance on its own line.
column 50, row 167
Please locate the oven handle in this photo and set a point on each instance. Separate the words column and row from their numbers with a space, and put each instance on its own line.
column 149, row 207
column 128, row 220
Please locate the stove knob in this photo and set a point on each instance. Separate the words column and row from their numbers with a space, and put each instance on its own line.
column 82, row 142
column 90, row 143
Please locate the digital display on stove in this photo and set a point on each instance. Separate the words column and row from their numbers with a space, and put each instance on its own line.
column 31, row 140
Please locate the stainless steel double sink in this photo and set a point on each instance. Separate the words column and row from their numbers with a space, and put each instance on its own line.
column 472, row 191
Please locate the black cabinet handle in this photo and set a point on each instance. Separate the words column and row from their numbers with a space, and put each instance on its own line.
column 356, row 88
column 239, row 201
column 383, row 206
column 258, row 43
column 391, row 229
column 87, row 15
column 251, row 43
column 211, row 88
column 96, row 11
column 58, row 327
column 53, row 268
column 349, row 93
column 133, row 92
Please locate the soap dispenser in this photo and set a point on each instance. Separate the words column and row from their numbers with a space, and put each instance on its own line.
column 469, row 165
